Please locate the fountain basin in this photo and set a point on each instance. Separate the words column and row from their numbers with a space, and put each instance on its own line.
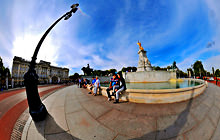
column 160, row 96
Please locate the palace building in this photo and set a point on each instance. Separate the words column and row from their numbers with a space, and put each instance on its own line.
column 47, row 73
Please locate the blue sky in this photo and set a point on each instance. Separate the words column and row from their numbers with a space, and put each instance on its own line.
column 104, row 33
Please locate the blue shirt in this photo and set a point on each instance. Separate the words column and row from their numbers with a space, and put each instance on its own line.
column 93, row 81
column 114, row 81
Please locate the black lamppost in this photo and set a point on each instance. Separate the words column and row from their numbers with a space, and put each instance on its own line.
column 37, row 109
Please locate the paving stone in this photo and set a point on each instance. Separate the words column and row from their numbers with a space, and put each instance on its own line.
column 213, row 90
column 48, row 102
column 209, row 101
column 217, row 103
column 36, row 131
column 200, row 111
column 95, row 109
column 60, row 100
column 72, row 106
column 177, row 138
column 216, row 134
column 56, row 121
column 129, row 124
column 124, row 106
column 203, row 131
column 153, row 109
column 71, row 96
column 98, row 98
column 83, row 98
column 214, row 114
column 83, row 126
column 170, row 126
column 121, row 137
column 59, row 136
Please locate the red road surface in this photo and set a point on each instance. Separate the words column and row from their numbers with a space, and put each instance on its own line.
column 9, row 117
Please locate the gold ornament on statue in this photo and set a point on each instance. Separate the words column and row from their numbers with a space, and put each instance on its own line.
column 140, row 47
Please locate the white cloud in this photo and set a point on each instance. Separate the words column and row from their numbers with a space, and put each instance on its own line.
column 24, row 46
column 214, row 14
column 212, row 62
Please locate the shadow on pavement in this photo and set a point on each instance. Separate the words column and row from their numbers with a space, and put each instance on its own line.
column 50, row 130
column 171, row 131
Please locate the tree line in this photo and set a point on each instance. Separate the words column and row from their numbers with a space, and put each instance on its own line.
column 196, row 70
column 4, row 72
column 90, row 72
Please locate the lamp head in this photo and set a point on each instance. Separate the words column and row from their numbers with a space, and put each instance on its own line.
column 74, row 6
column 73, row 10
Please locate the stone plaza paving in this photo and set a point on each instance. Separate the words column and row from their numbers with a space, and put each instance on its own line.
column 74, row 114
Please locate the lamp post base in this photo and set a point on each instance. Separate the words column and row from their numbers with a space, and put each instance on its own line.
column 40, row 114
column 37, row 109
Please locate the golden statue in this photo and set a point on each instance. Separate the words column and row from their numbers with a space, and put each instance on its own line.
column 140, row 47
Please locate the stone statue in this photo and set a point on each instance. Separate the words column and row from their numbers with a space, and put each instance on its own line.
column 143, row 64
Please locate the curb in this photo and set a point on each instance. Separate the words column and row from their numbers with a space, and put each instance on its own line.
column 20, row 133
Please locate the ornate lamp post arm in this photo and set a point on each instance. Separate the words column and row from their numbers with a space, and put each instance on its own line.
column 37, row 109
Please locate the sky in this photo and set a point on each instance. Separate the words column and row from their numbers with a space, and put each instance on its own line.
column 104, row 34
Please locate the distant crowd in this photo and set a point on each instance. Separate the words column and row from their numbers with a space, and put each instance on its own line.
column 117, row 85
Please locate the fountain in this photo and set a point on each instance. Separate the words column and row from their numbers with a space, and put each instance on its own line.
column 157, row 87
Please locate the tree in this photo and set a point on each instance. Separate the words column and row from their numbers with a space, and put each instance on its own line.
column 190, row 71
column 129, row 69
column 198, row 68
column 2, row 68
column 112, row 71
column 124, row 69
column 4, row 72
column 213, row 71
column 157, row 68
column 134, row 69
column 97, row 72
column 217, row 73
column 208, row 74
column 182, row 74
column 74, row 77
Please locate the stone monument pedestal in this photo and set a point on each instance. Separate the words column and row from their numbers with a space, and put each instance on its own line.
column 143, row 64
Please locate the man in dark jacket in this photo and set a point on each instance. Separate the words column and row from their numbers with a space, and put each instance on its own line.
column 122, row 87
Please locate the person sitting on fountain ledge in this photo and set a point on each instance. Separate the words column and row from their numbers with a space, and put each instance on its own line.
column 96, row 85
column 92, row 85
column 122, row 87
column 112, row 84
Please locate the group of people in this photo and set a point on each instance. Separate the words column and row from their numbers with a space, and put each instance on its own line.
column 95, row 84
column 83, row 83
column 117, row 85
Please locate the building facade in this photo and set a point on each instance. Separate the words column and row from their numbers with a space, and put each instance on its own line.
column 47, row 74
